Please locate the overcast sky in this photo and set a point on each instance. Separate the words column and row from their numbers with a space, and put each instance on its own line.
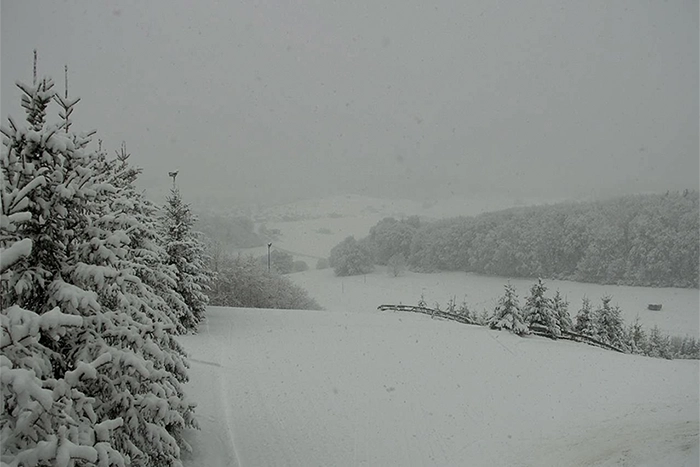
column 275, row 100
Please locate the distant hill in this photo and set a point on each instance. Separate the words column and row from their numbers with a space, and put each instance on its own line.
column 648, row 240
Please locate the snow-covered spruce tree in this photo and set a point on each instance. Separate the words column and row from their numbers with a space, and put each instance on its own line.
column 538, row 311
column 465, row 313
column 186, row 252
column 112, row 260
column 148, row 257
column 147, row 294
column 686, row 349
column 635, row 337
column 44, row 418
column 658, row 344
column 692, row 348
column 90, row 373
column 507, row 314
column 586, row 319
column 561, row 309
column 483, row 318
column 609, row 324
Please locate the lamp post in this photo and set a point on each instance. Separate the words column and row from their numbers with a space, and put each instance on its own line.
column 269, row 245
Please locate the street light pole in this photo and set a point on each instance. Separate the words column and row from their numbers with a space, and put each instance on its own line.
column 269, row 245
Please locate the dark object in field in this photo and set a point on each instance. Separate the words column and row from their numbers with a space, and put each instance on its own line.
column 654, row 306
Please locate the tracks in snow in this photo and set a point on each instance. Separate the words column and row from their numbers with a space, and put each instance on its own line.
column 222, row 383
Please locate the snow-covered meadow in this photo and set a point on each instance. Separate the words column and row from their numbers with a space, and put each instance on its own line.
column 354, row 386
column 304, row 388
column 679, row 315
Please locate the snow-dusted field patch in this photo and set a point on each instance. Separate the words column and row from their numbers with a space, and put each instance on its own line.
column 303, row 388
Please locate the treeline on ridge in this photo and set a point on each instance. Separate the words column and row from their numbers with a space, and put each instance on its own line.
column 643, row 240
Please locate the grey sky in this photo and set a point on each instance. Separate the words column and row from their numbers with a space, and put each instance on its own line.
column 283, row 99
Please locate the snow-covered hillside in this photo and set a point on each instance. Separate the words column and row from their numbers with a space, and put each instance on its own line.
column 353, row 386
column 304, row 388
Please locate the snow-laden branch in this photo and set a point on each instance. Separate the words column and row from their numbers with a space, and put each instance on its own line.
column 22, row 193
column 13, row 254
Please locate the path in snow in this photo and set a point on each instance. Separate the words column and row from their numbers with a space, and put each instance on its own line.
column 302, row 388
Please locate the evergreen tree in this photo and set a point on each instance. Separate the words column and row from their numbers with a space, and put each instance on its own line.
column 609, row 324
column 691, row 348
column 676, row 347
column 539, row 312
column 658, row 345
column 44, row 413
column 149, row 260
column 561, row 310
column 635, row 337
column 507, row 313
column 586, row 319
column 452, row 306
column 465, row 313
column 185, row 251
column 483, row 318
column 128, row 274
column 91, row 374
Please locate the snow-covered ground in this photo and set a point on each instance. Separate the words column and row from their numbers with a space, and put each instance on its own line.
column 305, row 388
column 351, row 386
column 679, row 316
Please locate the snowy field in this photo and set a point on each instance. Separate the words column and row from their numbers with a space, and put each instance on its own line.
column 351, row 386
column 679, row 316
column 304, row 388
